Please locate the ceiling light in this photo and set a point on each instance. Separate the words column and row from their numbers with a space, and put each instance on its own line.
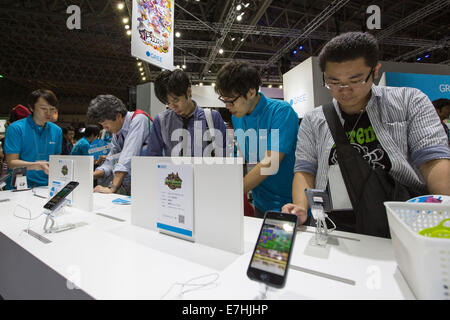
column 144, row 78
column 201, row 84
column 125, row 20
column 213, row 84
column 129, row 32
column 238, row 7
column 239, row 18
column 177, row 34
column 142, row 73
column 141, row 69
column 120, row 6
column 280, row 86
column 269, row 86
column 178, row 66
column 127, row 26
column 183, row 66
column 220, row 51
column 139, row 64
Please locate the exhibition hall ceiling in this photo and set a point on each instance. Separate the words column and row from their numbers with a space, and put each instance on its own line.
column 38, row 50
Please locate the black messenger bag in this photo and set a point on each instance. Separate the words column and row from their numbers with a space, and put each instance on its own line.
column 367, row 188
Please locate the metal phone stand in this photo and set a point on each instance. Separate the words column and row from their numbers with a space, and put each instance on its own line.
column 321, row 236
column 264, row 290
column 51, row 215
column 21, row 183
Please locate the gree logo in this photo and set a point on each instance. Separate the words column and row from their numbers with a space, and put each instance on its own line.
column 444, row 88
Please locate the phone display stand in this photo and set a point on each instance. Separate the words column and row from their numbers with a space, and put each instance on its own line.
column 321, row 236
column 264, row 291
column 51, row 216
column 21, row 183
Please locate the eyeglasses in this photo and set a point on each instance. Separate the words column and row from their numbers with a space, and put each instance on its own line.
column 351, row 85
column 231, row 102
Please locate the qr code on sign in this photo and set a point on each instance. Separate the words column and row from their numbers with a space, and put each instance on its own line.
column 180, row 219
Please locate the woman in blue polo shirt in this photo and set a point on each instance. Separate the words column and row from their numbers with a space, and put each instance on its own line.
column 30, row 142
column 81, row 148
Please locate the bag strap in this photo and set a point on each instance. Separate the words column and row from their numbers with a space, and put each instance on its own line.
column 345, row 151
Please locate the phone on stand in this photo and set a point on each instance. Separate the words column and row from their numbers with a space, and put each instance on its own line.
column 59, row 198
column 270, row 260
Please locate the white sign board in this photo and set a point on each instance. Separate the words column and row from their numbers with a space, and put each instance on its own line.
column 152, row 32
column 298, row 87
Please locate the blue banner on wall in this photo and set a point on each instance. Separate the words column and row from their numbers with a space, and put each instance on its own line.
column 434, row 86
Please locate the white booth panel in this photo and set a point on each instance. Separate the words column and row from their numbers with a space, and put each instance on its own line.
column 218, row 199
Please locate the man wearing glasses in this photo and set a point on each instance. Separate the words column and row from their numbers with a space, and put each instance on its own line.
column 29, row 142
column 266, row 131
column 395, row 129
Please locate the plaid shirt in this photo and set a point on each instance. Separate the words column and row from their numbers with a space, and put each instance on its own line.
column 405, row 123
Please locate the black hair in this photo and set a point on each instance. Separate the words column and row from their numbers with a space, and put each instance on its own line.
column 105, row 107
column 91, row 130
column 47, row 95
column 350, row 46
column 171, row 82
column 440, row 103
column 65, row 130
column 237, row 77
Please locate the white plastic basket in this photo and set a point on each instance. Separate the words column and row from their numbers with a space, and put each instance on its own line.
column 423, row 261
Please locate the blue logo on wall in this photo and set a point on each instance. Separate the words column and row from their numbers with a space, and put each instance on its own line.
column 153, row 56
column 298, row 99
column 433, row 85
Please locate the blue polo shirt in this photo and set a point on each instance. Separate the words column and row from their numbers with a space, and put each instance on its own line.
column 81, row 148
column 33, row 143
column 268, row 115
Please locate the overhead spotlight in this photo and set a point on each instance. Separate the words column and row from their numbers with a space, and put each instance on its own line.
column 209, row 71
column 129, row 32
column 213, row 84
column 300, row 48
column 127, row 26
column 294, row 52
column 239, row 18
column 238, row 7
column 142, row 73
column 141, row 69
column 269, row 86
column 178, row 66
column 233, row 38
column 247, row 4
column 125, row 20
column 144, row 78
column 177, row 34
column 183, row 66
column 201, row 84
column 242, row 39
column 280, row 86
column 120, row 6
column 427, row 56
column 139, row 64
column 220, row 51
column 419, row 58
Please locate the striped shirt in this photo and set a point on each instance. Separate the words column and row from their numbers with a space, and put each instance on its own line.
column 405, row 123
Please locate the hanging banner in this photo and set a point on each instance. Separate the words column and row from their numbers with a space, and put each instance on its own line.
column 152, row 32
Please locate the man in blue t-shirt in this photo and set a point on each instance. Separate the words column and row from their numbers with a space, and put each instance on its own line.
column 30, row 142
column 81, row 148
column 266, row 132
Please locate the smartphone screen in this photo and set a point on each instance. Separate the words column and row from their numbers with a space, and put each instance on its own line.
column 57, row 199
column 270, row 260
